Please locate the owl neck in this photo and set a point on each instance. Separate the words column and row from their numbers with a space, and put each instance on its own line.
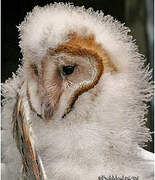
column 102, row 127
column 79, row 145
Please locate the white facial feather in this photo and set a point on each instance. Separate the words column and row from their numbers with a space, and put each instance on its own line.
column 102, row 133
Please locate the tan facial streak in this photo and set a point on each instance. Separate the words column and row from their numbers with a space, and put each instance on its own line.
column 52, row 87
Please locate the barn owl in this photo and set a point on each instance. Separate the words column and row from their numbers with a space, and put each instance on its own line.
column 75, row 109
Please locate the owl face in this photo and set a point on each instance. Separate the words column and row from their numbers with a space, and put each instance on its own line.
column 59, row 82
column 63, row 75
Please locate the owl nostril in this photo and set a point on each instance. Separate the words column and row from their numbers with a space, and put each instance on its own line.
column 34, row 67
column 48, row 112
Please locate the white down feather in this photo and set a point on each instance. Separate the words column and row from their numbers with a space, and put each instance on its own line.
column 96, row 138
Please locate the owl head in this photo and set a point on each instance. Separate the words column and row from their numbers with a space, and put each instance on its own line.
column 80, row 65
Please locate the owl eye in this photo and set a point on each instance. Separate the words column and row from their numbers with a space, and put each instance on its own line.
column 67, row 70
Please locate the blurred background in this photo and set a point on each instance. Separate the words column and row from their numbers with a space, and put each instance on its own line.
column 136, row 14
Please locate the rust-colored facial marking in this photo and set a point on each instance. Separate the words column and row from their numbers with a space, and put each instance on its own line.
column 84, row 46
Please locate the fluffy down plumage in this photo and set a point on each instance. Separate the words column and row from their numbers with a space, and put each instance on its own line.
column 105, row 131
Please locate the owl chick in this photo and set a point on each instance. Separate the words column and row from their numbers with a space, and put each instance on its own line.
column 75, row 110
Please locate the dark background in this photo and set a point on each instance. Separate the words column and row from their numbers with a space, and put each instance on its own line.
column 137, row 14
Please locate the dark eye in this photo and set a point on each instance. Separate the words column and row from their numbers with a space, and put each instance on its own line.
column 67, row 70
column 34, row 67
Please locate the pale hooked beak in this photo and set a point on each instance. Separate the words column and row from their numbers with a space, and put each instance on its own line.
column 46, row 109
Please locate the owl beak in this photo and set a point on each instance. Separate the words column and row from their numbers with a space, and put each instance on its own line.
column 46, row 109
